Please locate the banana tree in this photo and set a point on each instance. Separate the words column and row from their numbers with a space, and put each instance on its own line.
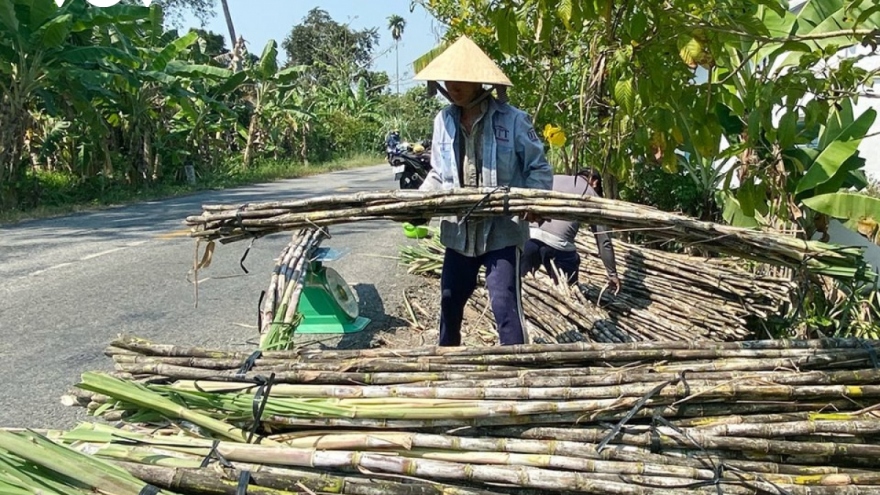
column 33, row 45
column 820, row 180
column 786, row 107
column 267, row 85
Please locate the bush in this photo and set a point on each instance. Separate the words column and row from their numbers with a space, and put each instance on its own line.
column 650, row 185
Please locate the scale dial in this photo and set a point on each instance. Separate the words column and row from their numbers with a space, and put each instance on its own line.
column 341, row 293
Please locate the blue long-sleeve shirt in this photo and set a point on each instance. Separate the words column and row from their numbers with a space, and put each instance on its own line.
column 512, row 155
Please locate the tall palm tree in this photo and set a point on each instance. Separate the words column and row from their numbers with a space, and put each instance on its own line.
column 397, row 24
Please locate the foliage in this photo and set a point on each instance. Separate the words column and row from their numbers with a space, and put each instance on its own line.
column 813, row 178
column 640, row 79
column 61, row 192
column 201, row 9
column 323, row 44
column 655, row 187
column 211, row 43
column 412, row 113
column 109, row 98
column 674, row 100
column 838, row 310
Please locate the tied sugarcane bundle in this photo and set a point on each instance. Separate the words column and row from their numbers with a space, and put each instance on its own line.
column 400, row 463
column 237, row 222
column 278, row 315
column 770, row 417
column 664, row 296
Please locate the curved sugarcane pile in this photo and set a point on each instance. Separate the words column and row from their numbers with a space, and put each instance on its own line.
column 774, row 417
column 664, row 296
column 229, row 223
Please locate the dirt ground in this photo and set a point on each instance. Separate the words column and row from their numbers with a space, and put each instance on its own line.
column 421, row 309
column 409, row 319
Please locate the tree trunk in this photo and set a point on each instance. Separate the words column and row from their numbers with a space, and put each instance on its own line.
column 249, row 147
column 235, row 46
column 150, row 162
column 229, row 25
column 304, row 150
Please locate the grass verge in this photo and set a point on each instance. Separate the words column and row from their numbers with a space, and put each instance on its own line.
column 61, row 195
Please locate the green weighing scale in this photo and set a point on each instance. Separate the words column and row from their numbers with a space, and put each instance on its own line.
column 327, row 303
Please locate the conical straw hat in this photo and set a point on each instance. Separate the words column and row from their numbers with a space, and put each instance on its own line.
column 463, row 61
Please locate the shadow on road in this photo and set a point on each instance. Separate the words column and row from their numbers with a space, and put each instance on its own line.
column 371, row 306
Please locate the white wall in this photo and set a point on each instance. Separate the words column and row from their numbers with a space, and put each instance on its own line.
column 870, row 147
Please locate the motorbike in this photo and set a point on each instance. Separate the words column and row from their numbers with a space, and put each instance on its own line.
column 410, row 163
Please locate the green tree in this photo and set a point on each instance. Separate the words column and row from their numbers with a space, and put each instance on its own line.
column 214, row 45
column 396, row 25
column 323, row 45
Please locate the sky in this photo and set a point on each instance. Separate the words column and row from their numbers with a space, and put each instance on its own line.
column 258, row 21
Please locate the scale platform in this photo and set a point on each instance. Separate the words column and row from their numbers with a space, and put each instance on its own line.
column 327, row 303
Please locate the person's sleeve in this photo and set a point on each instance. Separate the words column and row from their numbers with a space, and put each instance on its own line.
column 606, row 249
column 603, row 241
column 434, row 180
column 530, row 150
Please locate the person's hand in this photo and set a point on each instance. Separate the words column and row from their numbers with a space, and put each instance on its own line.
column 614, row 284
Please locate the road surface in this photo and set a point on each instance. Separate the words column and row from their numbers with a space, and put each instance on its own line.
column 69, row 285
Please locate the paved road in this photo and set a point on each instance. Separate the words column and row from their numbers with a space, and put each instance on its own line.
column 69, row 285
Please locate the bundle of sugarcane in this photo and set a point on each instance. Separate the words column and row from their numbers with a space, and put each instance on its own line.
column 235, row 222
column 279, row 317
column 664, row 296
column 94, row 458
column 401, row 463
column 595, row 377
column 31, row 463
column 640, row 417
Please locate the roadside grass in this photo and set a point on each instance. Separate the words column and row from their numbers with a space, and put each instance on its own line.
column 60, row 194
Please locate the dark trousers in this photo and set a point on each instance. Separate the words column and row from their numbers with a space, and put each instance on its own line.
column 458, row 281
column 537, row 254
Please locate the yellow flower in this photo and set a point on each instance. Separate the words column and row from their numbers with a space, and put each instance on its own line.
column 554, row 135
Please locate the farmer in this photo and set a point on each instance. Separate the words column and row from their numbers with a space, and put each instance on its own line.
column 481, row 141
column 552, row 242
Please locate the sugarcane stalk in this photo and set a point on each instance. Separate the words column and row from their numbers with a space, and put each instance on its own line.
column 667, row 411
column 145, row 347
column 744, row 388
column 99, row 475
column 672, row 438
column 752, row 244
column 144, row 398
column 291, row 365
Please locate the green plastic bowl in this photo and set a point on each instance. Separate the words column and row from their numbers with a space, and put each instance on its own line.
column 414, row 232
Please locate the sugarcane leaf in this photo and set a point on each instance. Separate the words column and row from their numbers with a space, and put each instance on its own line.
column 103, row 408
